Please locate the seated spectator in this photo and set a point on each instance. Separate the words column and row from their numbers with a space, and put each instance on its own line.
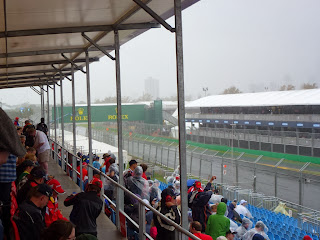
column 155, row 192
column 241, row 209
column 195, row 229
column 144, row 168
column 36, row 177
column 53, row 213
column 19, row 130
column 87, row 207
column 167, row 207
column 257, row 236
column 243, row 229
column 23, row 171
column 281, row 208
column 232, row 213
column 59, row 230
column 32, row 150
column 259, row 228
column 218, row 224
column 30, row 217
column 138, row 185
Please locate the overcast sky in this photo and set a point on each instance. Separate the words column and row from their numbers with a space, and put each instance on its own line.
column 253, row 45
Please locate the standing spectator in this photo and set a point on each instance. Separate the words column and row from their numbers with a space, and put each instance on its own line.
column 243, row 229
column 114, row 175
column 195, row 229
column 84, row 171
column 259, row 228
column 87, row 207
column 218, row 224
column 106, row 157
column 198, row 201
column 27, row 125
column 30, row 217
column 96, row 163
column 144, row 168
column 128, row 172
column 53, row 213
column 138, row 185
column 241, row 209
column 59, row 230
column 112, row 155
column 41, row 126
column 42, row 146
column 167, row 207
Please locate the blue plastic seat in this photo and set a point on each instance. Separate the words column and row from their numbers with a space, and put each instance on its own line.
column 276, row 237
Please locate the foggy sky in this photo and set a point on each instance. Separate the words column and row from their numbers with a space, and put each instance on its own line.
column 254, row 45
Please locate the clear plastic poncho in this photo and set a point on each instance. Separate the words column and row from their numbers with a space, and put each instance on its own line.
column 176, row 187
column 138, row 185
column 243, row 229
column 155, row 192
column 107, row 183
column 249, row 235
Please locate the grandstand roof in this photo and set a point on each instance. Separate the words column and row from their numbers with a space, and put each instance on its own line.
column 276, row 98
column 34, row 34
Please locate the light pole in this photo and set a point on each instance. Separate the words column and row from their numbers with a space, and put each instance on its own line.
column 205, row 89
column 233, row 126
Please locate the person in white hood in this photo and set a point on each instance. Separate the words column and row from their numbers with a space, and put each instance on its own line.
column 241, row 209
column 259, row 228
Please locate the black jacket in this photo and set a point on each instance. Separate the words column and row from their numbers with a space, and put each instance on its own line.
column 165, row 230
column 86, row 208
column 200, row 208
column 30, row 221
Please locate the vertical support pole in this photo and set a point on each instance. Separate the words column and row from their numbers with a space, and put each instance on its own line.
column 181, row 114
column 42, row 102
column 62, row 122
column 74, row 159
column 90, row 173
column 120, row 194
column 55, row 122
column 48, row 112
column 142, row 221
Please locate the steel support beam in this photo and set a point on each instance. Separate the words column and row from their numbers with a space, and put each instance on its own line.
column 60, row 72
column 29, row 77
column 33, row 72
column 62, row 120
column 181, row 114
column 97, row 46
column 73, row 63
column 120, row 195
column 30, row 64
column 29, row 82
column 154, row 15
column 26, row 84
column 74, row 162
column 42, row 102
column 89, row 114
column 79, row 29
column 48, row 112
column 52, row 51
column 35, row 90
column 55, row 120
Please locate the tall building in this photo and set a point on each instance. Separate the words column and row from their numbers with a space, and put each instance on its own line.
column 151, row 86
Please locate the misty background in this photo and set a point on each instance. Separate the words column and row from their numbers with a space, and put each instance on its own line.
column 252, row 45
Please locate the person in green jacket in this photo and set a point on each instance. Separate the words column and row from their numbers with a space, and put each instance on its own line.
column 218, row 224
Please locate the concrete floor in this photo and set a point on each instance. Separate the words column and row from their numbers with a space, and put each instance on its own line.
column 106, row 229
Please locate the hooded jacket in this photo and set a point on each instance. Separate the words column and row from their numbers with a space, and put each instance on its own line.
column 218, row 224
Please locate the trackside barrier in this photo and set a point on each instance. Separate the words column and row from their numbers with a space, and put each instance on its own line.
column 180, row 233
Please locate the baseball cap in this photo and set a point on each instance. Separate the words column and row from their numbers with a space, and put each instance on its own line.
column 38, row 172
column 56, row 186
column 132, row 162
column 243, row 201
column 45, row 189
column 84, row 164
column 97, row 182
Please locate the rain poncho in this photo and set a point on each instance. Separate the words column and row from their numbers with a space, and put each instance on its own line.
column 245, row 226
column 155, row 192
column 170, row 180
column 176, row 187
column 249, row 235
column 138, row 185
column 113, row 172
column 240, row 209
column 281, row 208
column 215, row 198
column 218, row 224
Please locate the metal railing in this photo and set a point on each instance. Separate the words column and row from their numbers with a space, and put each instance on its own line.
column 289, row 180
column 59, row 157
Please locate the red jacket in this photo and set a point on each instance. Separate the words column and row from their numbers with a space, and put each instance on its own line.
column 202, row 236
column 53, row 213
column 107, row 164
column 144, row 175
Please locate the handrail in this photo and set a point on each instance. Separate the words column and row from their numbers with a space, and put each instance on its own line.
column 156, row 212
